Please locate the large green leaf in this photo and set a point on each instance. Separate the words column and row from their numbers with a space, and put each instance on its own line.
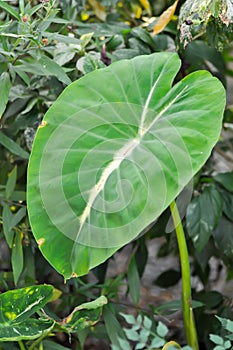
column 112, row 153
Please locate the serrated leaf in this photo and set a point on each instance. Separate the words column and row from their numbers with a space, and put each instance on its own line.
column 120, row 144
column 165, row 18
column 131, row 334
column 226, row 323
column 161, row 330
column 216, row 339
column 147, row 323
column 130, row 319
column 5, row 85
column 157, row 342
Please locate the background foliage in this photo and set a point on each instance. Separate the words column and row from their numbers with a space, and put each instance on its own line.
column 44, row 46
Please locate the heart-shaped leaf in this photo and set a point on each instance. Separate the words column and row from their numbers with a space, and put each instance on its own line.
column 112, row 153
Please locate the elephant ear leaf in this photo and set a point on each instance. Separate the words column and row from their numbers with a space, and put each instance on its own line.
column 112, row 153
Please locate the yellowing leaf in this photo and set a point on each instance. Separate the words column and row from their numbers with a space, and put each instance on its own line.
column 146, row 5
column 99, row 9
column 137, row 10
column 165, row 18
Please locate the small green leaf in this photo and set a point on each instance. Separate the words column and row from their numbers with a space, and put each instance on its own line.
column 17, row 257
column 131, row 334
column 161, row 329
column 157, row 342
column 84, row 315
column 11, row 182
column 130, row 319
column 124, row 344
column 12, row 146
column 9, row 9
column 226, row 323
column 7, row 218
column 144, row 335
column 133, row 281
column 216, row 339
column 140, row 346
column 18, row 217
column 227, row 344
column 5, row 85
column 147, row 323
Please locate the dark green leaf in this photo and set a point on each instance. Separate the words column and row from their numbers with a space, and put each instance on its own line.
column 12, row 146
column 17, row 257
column 11, row 182
column 226, row 180
column 113, row 327
column 7, row 218
column 5, row 86
column 227, row 204
column 176, row 305
column 18, row 217
column 224, row 239
column 133, row 281
column 203, row 215
column 51, row 345
column 168, row 278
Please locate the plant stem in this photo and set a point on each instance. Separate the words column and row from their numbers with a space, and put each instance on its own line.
column 21, row 345
column 189, row 323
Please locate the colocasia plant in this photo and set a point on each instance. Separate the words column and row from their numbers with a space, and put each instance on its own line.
column 112, row 153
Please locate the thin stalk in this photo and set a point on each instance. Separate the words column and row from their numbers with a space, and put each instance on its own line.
column 189, row 323
column 21, row 345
